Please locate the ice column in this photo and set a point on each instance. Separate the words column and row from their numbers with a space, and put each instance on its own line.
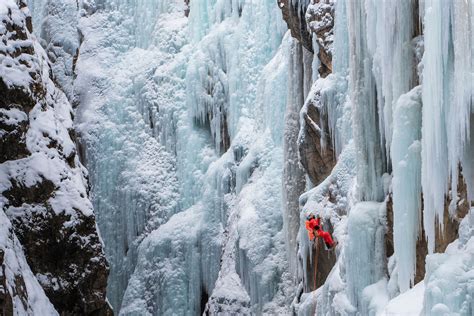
column 406, row 161
column 370, row 155
column 389, row 35
column 293, row 174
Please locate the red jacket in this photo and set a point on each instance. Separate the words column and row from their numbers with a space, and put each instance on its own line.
column 313, row 224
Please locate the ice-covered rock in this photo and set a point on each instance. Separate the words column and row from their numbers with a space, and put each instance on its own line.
column 449, row 276
column 320, row 20
column 55, row 25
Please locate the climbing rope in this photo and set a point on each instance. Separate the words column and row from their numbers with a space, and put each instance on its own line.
column 316, row 261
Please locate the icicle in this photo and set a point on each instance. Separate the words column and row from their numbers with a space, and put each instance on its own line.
column 447, row 98
column 463, row 90
column 370, row 158
column 389, row 35
column 434, row 141
column 406, row 160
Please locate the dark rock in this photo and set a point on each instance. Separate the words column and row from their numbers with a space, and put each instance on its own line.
column 69, row 258
column 19, row 194
column 389, row 245
column 187, row 9
column 294, row 17
column 317, row 161
column 6, row 302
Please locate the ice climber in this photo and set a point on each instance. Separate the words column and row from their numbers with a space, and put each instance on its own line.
column 314, row 227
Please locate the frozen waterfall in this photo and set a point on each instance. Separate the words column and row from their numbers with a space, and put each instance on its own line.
column 191, row 116
column 181, row 123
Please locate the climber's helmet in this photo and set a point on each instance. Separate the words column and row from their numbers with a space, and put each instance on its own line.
column 309, row 216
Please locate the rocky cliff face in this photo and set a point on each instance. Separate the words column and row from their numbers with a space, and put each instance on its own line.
column 20, row 292
column 312, row 23
column 43, row 184
column 294, row 16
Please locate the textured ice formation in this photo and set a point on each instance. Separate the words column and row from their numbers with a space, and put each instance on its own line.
column 365, row 253
column 449, row 279
column 421, row 135
column 192, row 92
column 406, row 184
column 448, row 91
column 125, row 122
column 190, row 130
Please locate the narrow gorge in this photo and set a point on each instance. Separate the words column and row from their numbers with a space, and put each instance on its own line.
column 164, row 157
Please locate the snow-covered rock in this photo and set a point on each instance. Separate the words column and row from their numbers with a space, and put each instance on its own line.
column 43, row 185
column 20, row 292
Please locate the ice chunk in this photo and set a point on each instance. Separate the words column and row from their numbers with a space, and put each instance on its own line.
column 409, row 303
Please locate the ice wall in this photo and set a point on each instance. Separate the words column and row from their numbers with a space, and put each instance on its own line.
column 365, row 253
column 233, row 84
column 448, row 91
column 126, row 119
column 366, row 129
column 390, row 30
column 411, row 142
column 207, row 106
